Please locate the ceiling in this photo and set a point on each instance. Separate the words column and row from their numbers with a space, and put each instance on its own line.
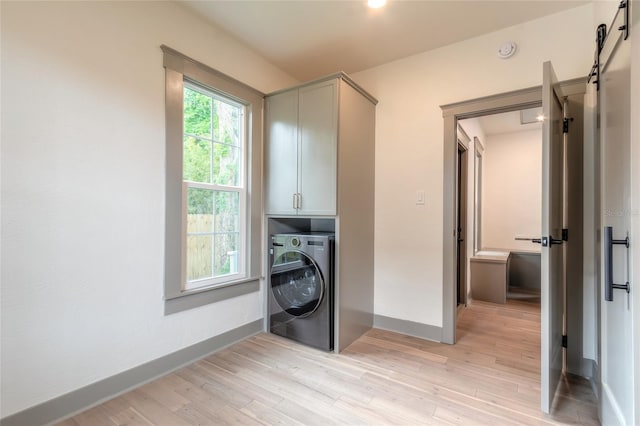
column 309, row 39
column 508, row 122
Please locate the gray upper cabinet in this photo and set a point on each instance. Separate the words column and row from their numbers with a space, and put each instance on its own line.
column 281, row 153
column 301, row 150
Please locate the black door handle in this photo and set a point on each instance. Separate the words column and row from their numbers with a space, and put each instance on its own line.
column 609, row 286
column 549, row 241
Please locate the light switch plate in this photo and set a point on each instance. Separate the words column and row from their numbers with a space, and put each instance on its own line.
column 419, row 197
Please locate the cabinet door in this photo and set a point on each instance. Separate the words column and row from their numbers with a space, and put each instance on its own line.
column 281, row 153
column 317, row 122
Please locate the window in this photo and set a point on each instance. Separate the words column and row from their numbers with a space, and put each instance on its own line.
column 213, row 184
column 213, row 188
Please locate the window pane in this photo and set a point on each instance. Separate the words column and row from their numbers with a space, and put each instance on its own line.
column 227, row 211
column 226, row 122
column 197, row 113
column 196, row 160
column 197, row 223
column 199, row 210
column 199, row 201
column 199, row 257
column 226, row 165
column 226, row 254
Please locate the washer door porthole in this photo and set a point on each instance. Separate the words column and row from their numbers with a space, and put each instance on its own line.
column 297, row 283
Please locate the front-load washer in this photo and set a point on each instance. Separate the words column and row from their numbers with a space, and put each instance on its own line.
column 301, row 288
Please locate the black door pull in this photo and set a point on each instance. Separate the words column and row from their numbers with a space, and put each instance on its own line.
column 609, row 286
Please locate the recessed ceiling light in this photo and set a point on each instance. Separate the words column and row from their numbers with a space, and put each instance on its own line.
column 531, row 115
column 376, row 4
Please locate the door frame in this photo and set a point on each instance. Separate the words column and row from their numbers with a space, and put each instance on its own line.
column 505, row 102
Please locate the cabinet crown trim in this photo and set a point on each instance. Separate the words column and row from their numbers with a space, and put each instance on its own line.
column 339, row 75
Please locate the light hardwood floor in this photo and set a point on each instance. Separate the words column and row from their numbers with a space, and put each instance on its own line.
column 490, row 377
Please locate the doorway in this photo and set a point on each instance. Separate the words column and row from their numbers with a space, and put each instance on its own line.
column 452, row 113
column 504, row 206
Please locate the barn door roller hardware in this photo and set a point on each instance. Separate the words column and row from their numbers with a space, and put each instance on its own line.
column 601, row 36
column 624, row 5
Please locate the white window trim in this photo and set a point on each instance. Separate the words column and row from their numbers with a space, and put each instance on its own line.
column 180, row 71
column 240, row 189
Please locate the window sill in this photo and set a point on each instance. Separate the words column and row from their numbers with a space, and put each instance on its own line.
column 203, row 296
column 210, row 287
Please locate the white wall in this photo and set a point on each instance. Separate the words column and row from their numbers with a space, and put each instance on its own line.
column 409, row 135
column 512, row 190
column 83, row 191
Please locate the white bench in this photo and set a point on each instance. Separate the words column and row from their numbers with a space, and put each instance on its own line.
column 490, row 275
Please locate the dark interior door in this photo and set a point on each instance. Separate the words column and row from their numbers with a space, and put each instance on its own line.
column 462, row 225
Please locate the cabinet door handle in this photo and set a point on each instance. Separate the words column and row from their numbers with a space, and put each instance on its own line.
column 296, row 200
column 299, row 201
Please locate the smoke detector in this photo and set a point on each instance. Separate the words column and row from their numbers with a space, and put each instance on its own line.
column 507, row 50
